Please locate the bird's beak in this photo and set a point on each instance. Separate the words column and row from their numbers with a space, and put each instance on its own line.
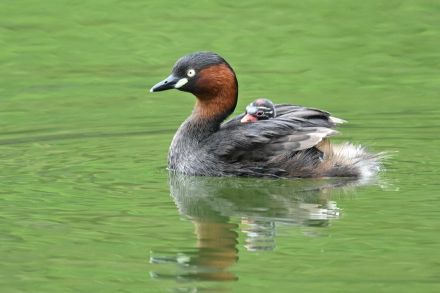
column 171, row 82
column 248, row 118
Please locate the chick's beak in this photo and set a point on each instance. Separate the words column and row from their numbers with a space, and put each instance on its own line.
column 248, row 118
column 168, row 83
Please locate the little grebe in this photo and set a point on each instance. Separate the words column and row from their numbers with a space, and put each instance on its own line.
column 292, row 144
column 260, row 109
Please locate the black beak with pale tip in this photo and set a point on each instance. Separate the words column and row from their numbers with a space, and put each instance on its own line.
column 166, row 84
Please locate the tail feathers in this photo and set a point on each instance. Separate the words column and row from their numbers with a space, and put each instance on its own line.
column 350, row 160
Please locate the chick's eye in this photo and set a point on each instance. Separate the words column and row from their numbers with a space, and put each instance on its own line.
column 259, row 113
column 191, row 72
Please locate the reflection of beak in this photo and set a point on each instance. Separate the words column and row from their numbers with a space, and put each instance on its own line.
column 248, row 118
column 171, row 82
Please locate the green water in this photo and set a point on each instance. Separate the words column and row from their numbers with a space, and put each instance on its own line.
column 85, row 196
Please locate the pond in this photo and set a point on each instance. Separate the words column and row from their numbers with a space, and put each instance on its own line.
column 87, row 202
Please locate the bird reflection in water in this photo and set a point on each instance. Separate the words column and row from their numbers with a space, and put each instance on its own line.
column 219, row 207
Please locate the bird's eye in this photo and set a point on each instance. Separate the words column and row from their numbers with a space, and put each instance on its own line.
column 260, row 113
column 191, row 73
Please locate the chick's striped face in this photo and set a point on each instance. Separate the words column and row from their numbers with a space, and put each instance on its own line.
column 260, row 112
column 261, row 109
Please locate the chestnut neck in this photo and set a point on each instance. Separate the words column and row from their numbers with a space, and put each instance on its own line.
column 217, row 93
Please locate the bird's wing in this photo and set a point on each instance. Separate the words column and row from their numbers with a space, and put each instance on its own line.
column 265, row 140
column 303, row 116
column 307, row 116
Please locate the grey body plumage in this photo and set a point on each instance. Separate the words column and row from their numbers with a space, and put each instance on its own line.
column 279, row 147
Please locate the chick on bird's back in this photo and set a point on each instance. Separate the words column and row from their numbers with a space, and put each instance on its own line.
column 260, row 109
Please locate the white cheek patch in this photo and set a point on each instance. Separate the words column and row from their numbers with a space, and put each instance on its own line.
column 181, row 83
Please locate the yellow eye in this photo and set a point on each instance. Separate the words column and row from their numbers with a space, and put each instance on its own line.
column 191, row 73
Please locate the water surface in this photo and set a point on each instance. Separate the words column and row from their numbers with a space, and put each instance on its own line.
column 87, row 203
